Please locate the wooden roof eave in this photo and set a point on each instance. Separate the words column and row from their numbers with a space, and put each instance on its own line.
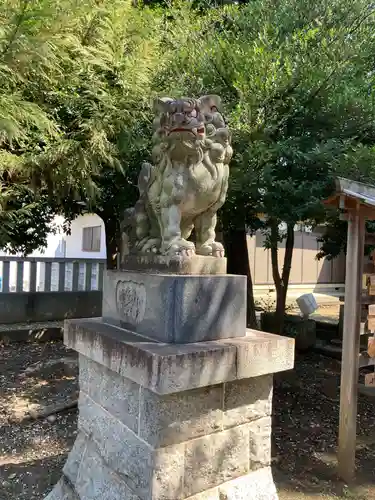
column 352, row 195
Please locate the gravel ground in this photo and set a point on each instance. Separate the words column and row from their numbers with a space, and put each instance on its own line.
column 305, row 426
column 32, row 453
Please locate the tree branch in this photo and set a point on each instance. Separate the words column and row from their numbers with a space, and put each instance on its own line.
column 20, row 19
column 274, row 251
column 289, row 247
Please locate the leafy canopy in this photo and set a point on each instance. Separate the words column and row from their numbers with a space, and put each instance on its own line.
column 76, row 82
column 298, row 78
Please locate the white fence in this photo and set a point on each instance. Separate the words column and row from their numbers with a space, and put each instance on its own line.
column 42, row 274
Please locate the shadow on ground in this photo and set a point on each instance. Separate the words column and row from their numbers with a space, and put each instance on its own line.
column 305, row 430
column 32, row 452
column 305, row 424
column 31, row 479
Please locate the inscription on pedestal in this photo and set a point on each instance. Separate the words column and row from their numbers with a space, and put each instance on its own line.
column 131, row 301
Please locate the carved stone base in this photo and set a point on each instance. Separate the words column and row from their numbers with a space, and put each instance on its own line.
column 198, row 264
column 167, row 422
column 174, row 308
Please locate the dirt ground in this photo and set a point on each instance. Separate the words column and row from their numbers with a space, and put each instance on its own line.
column 331, row 311
column 305, row 426
column 32, row 453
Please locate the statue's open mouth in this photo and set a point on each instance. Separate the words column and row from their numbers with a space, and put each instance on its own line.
column 193, row 131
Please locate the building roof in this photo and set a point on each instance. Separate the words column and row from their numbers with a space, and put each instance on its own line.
column 353, row 195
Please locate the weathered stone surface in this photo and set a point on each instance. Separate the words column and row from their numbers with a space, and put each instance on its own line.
column 178, row 264
column 162, row 368
column 247, row 399
column 260, row 443
column 96, row 481
column 191, row 184
column 117, row 394
column 74, row 458
column 212, row 494
column 130, row 456
column 206, row 364
column 175, row 418
column 260, row 353
column 167, row 474
column 62, row 491
column 257, row 485
column 121, row 449
column 214, row 459
column 177, row 309
column 169, row 368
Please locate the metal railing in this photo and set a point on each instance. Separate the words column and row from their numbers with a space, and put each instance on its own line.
column 43, row 274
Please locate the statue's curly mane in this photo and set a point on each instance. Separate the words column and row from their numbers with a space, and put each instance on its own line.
column 188, row 181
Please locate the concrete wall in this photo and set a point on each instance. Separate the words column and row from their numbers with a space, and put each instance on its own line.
column 48, row 306
column 324, row 278
column 306, row 269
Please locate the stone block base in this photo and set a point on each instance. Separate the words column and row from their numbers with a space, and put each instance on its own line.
column 197, row 264
column 256, row 485
column 195, row 436
column 174, row 308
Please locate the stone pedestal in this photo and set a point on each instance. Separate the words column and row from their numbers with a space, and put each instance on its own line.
column 161, row 421
column 175, row 308
column 195, row 265
column 175, row 393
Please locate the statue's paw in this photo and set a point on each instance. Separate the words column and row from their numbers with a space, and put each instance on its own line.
column 217, row 250
column 214, row 249
column 181, row 247
column 189, row 252
column 138, row 247
column 152, row 246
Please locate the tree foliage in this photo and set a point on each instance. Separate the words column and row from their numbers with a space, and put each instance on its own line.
column 298, row 78
column 76, row 81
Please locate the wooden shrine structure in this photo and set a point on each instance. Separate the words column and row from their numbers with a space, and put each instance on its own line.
column 356, row 202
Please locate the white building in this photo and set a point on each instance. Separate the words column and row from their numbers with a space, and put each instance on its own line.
column 85, row 241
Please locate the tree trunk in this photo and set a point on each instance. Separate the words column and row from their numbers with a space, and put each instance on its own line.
column 111, row 253
column 238, row 263
column 281, row 281
column 111, row 240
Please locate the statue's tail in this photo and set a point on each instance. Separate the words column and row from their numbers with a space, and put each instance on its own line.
column 128, row 220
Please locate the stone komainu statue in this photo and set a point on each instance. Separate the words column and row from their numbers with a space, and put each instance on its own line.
column 188, row 182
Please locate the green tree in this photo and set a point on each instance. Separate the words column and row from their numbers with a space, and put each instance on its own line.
column 298, row 80
column 357, row 164
column 76, row 80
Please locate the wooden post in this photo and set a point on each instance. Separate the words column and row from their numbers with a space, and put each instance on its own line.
column 351, row 341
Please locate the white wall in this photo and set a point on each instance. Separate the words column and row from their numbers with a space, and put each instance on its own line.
column 73, row 241
column 55, row 246
column 62, row 245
